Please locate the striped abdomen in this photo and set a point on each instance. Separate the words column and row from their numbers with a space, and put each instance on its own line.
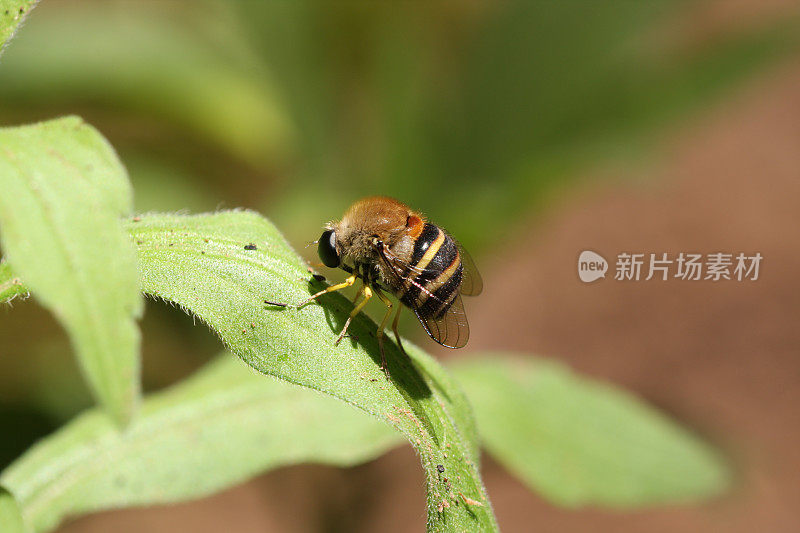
column 433, row 276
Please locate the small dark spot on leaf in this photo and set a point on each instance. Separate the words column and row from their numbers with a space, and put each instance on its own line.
column 319, row 277
column 252, row 324
column 250, row 246
column 244, row 331
column 205, row 240
column 21, row 10
column 172, row 244
column 203, row 252
column 440, row 468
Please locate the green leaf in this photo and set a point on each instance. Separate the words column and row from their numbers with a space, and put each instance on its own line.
column 235, row 422
column 10, row 515
column 187, row 66
column 10, row 285
column 580, row 442
column 201, row 263
column 64, row 191
column 12, row 13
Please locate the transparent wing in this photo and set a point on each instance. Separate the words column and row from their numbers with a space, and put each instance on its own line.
column 399, row 268
column 472, row 284
column 449, row 329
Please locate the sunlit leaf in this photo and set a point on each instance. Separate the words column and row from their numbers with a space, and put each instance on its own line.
column 580, row 442
column 63, row 193
column 205, row 264
column 12, row 13
column 218, row 428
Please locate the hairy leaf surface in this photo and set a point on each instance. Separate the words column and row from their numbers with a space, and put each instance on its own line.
column 222, row 267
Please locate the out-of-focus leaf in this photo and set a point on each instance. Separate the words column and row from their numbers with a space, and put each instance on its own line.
column 579, row 84
column 218, row 428
column 579, row 442
column 163, row 186
column 10, row 516
column 188, row 66
column 63, row 193
column 12, row 13
column 201, row 264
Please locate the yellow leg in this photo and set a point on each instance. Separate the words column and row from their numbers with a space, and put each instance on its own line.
column 396, row 334
column 367, row 295
column 385, row 321
column 339, row 286
column 346, row 283
column 359, row 293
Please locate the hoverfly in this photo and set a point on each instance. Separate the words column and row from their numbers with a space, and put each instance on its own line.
column 394, row 249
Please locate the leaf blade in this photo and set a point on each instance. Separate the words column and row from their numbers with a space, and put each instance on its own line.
column 578, row 442
column 226, row 414
column 64, row 193
column 12, row 13
column 201, row 263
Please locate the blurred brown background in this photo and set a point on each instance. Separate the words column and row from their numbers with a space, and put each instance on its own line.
column 546, row 128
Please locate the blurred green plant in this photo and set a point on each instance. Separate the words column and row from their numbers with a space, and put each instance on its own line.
column 235, row 422
column 298, row 107
column 220, row 267
column 579, row 442
column 67, row 238
column 495, row 105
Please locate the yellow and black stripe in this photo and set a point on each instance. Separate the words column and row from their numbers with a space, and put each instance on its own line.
column 436, row 266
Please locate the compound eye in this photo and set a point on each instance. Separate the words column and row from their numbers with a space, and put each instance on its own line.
column 327, row 249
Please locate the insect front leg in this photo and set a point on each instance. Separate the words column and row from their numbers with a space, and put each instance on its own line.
column 339, row 286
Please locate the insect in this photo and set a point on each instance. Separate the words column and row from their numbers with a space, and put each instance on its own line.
column 393, row 249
